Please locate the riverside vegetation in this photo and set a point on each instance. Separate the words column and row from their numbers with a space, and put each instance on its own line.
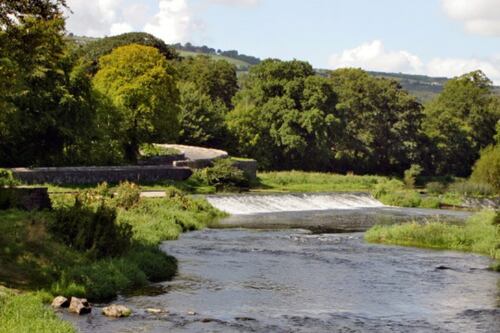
column 94, row 245
column 480, row 234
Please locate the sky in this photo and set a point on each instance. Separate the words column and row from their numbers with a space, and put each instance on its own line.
column 431, row 37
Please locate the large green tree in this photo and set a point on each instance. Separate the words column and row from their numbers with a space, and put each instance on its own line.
column 42, row 98
column 460, row 122
column 141, row 86
column 381, row 122
column 285, row 116
column 215, row 78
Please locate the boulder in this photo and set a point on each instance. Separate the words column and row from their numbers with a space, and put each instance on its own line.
column 116, row 311
column 79, row 306
column 60, row 302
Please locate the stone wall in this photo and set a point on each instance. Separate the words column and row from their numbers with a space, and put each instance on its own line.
column 95, row 175
column 248, row 166
column 162, row 160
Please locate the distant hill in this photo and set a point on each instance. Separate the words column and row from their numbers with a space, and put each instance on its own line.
column 423, row 87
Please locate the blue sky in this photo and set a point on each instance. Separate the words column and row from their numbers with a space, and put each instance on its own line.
column 434, row 37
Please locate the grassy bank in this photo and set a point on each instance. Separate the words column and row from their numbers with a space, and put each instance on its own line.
column 26, row 313
column 96, row 249
column 480, row 234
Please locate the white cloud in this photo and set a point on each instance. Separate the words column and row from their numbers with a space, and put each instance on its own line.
column 374, row 56
column 104, row 17
column 236, row 2
column 480, row 17
column 174, row 22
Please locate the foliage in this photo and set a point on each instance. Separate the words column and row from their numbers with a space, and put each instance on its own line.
column 13, row 11
column 480, row 234
column 298, row 181
column 24, row 313
column 410, row 175
column 460, row 122
column 284, row 115
column 472, row 189
column 152, row 150
column 201, row 118
column 127, row 195
column 393, row 193
column 435, row 188
column 7, row 178
column 381, row 124
column 487, row 168
column 93, row 51
column 224, row 175
column 140, row 85
column 93, row 231
column 213, row 78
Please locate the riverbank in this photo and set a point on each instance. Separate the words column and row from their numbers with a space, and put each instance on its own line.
column 480, row 234
column 62, row 252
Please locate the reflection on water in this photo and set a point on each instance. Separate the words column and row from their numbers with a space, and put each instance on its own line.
column 294, row 281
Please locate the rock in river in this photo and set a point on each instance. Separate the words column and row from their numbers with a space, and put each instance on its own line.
column 79, row 306
column 116, row 311
column 60, row 302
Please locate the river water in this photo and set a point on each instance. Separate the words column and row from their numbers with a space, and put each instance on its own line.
column 293, row 280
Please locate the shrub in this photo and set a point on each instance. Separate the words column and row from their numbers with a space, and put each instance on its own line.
column 94, row 231
column 430, row 203
column 410, row 175
column 7, row 178
column 487, row 168
column 435, row 188
column 393, row 193
column 127, row 195
column 151, row 150
column 469, row 188
column 156, row 264
column 224, row 175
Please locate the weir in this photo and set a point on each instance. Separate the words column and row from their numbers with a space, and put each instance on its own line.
column 251, row 204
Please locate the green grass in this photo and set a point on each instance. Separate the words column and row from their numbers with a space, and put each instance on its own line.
column 25, row 313
column 480, row 234
column 32, row 259
column 298, row 181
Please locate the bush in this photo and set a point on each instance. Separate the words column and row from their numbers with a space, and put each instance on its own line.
column 487, row 168
column 151, row 150
column 393, row 193
column 410, row 175
column 224, row 175
column 430, row 203
column 435, row 188
column 469, row 188
column 7, row 178
column 127, row 195
column 156, row 264
column 94, row 231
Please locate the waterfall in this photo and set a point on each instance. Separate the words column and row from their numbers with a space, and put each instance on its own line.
column 248, row 204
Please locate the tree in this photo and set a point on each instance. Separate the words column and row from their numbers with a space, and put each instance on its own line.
column 215, row 78
column 140, row 84
column 285, row 116
column 460, row 122
column 487, row 169
column 15, row 11
column 42, row 108
column 201, row 119
column 381, row 121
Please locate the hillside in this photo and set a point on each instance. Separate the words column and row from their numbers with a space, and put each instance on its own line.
column 423, row 87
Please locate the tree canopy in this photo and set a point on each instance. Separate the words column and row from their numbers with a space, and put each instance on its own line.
column 141, row 87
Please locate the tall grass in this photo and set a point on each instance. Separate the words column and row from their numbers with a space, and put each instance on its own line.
column 25, row 313
column 480, row 234
column 299, row 181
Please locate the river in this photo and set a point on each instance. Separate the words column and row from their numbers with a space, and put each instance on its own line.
column 294, row 280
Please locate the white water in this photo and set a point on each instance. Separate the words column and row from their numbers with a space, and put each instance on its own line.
column 274, row 203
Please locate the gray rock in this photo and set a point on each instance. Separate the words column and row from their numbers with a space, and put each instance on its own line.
column 79, row 306
column 60, row 302
column 116, row 311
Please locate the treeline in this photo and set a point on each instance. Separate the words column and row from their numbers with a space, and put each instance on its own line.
column 234, row 54
column 66, row 104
